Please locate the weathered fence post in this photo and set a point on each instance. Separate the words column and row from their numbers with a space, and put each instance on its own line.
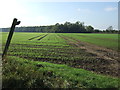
column 15, row 22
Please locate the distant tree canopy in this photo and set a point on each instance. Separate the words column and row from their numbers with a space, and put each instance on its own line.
column 89, row 29
column 67, row 27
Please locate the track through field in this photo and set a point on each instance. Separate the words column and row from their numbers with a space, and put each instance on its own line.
column 106, row 59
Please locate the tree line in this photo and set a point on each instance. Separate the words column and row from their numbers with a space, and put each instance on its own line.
column 67, row 27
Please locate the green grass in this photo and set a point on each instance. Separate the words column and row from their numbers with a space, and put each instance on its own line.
column 18, row 72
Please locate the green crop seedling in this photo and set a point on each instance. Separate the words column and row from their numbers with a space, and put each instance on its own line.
column 61, row 60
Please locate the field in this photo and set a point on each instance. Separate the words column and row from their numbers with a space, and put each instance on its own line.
column 74, row 60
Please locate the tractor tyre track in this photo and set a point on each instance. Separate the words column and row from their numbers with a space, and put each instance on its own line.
column 34, row 37
column 42, row 37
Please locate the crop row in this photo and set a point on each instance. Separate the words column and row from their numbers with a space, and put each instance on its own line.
column 55, row 48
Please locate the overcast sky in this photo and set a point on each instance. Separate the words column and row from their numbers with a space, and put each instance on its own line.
column 41, row 12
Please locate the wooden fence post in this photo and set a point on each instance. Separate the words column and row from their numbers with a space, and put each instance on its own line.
column 15, row 22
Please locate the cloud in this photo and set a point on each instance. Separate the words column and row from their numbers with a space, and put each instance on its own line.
column 108, row 9
column 84, row 10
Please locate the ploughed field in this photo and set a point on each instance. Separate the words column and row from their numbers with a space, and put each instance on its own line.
column 93, row 53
